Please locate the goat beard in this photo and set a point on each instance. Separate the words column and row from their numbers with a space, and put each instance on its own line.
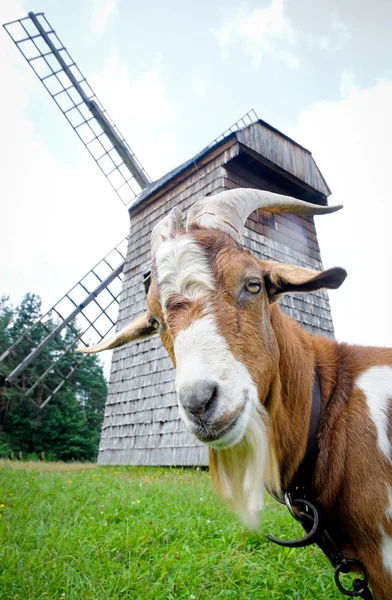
column 241, row 472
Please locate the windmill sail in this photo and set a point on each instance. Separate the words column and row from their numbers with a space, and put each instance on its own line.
column 249, row 118
column 88, row 312
column 58, row 72
column 85, row 314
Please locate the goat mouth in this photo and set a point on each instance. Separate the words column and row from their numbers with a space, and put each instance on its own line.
column 220, row 433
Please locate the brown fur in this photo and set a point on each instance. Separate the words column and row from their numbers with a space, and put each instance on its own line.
column 351, row 474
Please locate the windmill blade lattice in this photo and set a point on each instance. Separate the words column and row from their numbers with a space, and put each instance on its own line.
column 58, row 72
column 85, row 314
column 88, row 312
column 249, row 118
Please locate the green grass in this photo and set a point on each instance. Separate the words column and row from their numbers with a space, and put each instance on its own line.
column 81, row 532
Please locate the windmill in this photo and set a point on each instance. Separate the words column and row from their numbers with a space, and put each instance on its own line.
column 90, row 307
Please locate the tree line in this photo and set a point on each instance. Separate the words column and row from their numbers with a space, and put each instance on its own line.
column 69, row 426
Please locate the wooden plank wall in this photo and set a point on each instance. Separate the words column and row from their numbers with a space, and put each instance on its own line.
column 281, row 151
column 141, row 424
column 285, row 238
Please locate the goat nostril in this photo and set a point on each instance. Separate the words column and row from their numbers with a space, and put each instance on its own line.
column 199, row 398
column 211, row 402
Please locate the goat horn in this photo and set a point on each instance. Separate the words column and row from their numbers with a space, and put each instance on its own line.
column 229, row 210
column 139, row 328
column 167, row 227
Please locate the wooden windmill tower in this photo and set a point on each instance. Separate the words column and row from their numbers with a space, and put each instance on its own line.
column 141, row 423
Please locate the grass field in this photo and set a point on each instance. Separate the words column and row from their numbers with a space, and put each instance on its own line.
column 81, row 532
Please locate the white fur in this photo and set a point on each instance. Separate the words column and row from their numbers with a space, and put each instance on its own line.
column 202, row 353
column 386, row 540
column 242, row 469
column 182, row 268
column 386, row 550
column 376, row 384
column 388, row 511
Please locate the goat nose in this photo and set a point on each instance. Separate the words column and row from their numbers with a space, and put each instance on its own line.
column 199, row 398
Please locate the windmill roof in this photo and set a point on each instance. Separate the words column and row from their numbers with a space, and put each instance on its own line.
column 264, row 142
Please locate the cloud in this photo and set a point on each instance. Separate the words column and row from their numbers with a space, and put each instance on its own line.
column 59, row 216
column 347, row 84
column 104, row 9
column 56, row 221
column 350, row 140
column 11, row 10
column 199, row 85
column 337, row 38
column 142, row 111
column 266, row 32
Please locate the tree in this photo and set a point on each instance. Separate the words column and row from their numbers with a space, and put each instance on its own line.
column 6, row 315
column 68, row 427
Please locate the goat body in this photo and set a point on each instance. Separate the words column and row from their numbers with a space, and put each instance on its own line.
column 352, row 479
column 245, row 372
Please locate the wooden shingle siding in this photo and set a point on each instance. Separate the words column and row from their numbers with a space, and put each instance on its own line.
column 141, row 424
column 280, row 151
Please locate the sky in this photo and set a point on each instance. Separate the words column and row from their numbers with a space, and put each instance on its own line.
column 173, row 75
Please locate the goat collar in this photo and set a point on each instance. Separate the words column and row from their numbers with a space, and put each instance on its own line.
column 302, row 481
column 303, row 478
column 299, row 499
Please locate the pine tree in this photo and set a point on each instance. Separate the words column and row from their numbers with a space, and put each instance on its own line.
column 68, row 427
column 6, row 315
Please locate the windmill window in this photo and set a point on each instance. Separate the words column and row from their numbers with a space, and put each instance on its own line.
column 126, row 193
column 66, row 57
column 96, row 148
column 115, row 178
column 85, row 112
column 87, row 89
column 44, row 23
column 95, row 126
column 41, row 45
column 85, row 133
column 53, row 86
column 63, row 79
column 41, row 68
column 76, row 73
column 64, row 101
column 74, row 117
column 55, row 41
column 106, row 143
column 124, row 171
column 28, row 26
column 116, row 158
column 106, row 164
column 52, row 62
column 29, row 49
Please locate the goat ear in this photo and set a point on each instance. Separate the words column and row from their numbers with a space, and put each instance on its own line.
column 282, row 278
column 137, row 330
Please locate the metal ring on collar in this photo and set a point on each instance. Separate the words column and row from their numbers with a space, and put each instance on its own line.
column 346, row 567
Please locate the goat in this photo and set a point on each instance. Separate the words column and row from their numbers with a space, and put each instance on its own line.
column 245, row 371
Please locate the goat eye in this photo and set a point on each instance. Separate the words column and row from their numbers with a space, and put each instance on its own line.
column 154, row 323
column 253, row 287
